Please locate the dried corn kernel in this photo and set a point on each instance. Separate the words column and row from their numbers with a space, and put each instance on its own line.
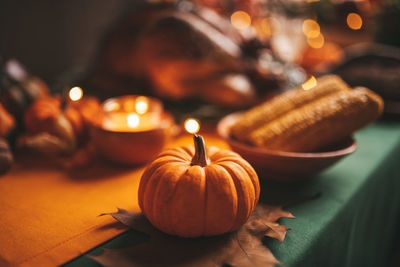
column 280, row 105
column 320, row 122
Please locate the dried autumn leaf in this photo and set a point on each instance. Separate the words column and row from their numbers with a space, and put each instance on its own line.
column 241, row 248
column 265, row 222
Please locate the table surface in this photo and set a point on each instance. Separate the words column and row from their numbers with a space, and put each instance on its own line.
column 348, row 215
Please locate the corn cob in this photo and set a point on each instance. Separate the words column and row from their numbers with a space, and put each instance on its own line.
column 279, row 105
column 321, row 122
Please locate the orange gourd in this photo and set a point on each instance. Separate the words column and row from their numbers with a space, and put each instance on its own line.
column 183, row 192
column 42, row 115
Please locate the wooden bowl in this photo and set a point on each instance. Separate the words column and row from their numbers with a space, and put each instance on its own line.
column 281, row 165
column 132, row 148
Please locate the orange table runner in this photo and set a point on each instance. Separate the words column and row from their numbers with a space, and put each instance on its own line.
column 50, row 216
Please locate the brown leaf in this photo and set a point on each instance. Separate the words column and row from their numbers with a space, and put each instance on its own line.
column 135, row 220
column 241, row 248
column 263, row 221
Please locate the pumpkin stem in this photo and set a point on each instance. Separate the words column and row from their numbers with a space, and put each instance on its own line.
column 200, row 152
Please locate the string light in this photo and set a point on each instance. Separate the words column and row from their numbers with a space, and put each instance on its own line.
column 75, row 93
column 316, row 42
column 311, row 28
column 240, row 20
column 192, row 126
column 354, row 21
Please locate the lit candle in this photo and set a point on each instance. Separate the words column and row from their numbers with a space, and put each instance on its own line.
column 132, row 114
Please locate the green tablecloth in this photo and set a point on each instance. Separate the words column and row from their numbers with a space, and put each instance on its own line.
column 347, row 216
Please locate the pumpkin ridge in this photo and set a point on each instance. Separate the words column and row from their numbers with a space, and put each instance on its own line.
column 237, row 199
column 167, row 159
column 148, row 193
column 252, row 175
column 171, row 211
column 211, row 151
column 223, row 153
column 176, row 153
column 159, row 217
column 205, row 200
column 242, row 192
column 143, row 184
column 149, row 172
column 170, row 222
column 188, row 151
column 226, row 158
column 170, row 208
column 215, row 187
column 186, row 217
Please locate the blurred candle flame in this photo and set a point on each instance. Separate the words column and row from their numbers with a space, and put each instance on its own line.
column 192, row 126
column 141, row 105
column 111, row 106
column 311, row 28
column 354, row 21
column 240, row 20
column 75, row 93
column 309, row 84
column 133, row 120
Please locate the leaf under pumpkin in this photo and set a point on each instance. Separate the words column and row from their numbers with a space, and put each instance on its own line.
column 240, row 248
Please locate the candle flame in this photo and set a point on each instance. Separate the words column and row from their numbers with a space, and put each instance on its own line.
column 192, row 126
column 112, row 106
column 133, row 120
column 240, row 20
column 354, row 21
column 309, row 84
column 75, row 93
column 141, row 105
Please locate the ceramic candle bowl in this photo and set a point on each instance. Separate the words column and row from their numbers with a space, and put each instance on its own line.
column 132, row 147
column 131, row 129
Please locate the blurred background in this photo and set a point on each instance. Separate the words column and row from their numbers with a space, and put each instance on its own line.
column 50, row 37
column 266, row 47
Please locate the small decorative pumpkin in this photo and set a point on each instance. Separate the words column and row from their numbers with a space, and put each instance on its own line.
column 48, row 129
column 82, row 113
column 42, row 115
column 185, row 193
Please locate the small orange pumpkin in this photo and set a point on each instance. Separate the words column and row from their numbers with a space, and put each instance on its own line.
column 185, row 193
column 42, row 115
